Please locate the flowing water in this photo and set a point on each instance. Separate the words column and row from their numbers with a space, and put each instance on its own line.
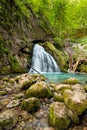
column 43, row 61
column 45, row 64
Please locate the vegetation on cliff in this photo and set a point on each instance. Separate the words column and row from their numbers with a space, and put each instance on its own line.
column 25, row 22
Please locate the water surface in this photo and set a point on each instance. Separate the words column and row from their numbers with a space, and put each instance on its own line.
column 59, row 76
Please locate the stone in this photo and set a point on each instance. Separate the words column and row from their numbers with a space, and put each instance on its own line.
column 26, row 80
column 85, row 87
column 48, row 128
column 58, row 116
column 75, row 100
column 58, row 97
column 31, row 104
column 13, row 103
column 2, row 93
column 71, row 81
column 39, row 89
column 8, row 119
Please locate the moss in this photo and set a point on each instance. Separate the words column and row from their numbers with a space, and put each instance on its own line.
column 15, row 66
column 85, row 87
column 71, row 81
column 5, row 70
column 31, row 104
column 6, row 79
column 83, row 68
column 58, row 97
column 3, row 49
column 5, row 123
column 40, row 90
column 57, row 116
column 58, row 55
column 76, row 101
column 26, row 85
column 2, row 93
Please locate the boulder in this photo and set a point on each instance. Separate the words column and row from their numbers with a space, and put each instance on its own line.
column 61, row 87
column 39, row 89
column 71, row 81
column 75, row 100
column 26, row 80
column 31, row 104
column 58, row 97
column 58, row 116
column 8, row 120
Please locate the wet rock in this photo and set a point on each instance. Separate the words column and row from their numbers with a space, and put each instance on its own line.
column 8, row 119
column 39, row 89
column 31, row 104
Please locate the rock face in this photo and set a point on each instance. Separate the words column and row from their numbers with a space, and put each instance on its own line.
column 8, row 119
column 17, row 34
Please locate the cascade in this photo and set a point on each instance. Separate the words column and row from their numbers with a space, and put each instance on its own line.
column 43, row 61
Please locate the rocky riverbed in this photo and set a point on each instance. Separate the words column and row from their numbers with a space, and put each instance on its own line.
column 27, row 102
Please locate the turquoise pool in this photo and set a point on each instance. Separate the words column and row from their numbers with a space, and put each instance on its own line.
column 59, row 76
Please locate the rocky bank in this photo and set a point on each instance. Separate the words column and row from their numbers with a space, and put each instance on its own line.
column 29, row 102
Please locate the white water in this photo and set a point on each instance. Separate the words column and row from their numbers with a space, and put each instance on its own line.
column 43, row 61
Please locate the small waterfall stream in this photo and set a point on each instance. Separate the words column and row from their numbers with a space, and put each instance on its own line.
column 43, row 61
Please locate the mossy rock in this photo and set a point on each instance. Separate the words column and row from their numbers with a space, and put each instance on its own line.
column 40, row 90
column 71, row 81
column 85, row 87
column 62, row 87
column 6, row 79
column 14, row 65
column 59, row 56
column 75, row 100
column 31, row 104
column 5, row 70
column 58, row 97
column 12, row 81
column 2, row 93
column 25, row 85
column 26, row 80
column 58, row 116
column 8, row 119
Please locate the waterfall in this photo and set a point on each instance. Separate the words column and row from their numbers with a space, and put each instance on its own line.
column 43, row 61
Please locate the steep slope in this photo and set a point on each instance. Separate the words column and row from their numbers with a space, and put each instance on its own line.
column 19, row 29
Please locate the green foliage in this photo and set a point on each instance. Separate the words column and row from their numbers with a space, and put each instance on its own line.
column 3, row 50
column 15, row 66
column 83, row 40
